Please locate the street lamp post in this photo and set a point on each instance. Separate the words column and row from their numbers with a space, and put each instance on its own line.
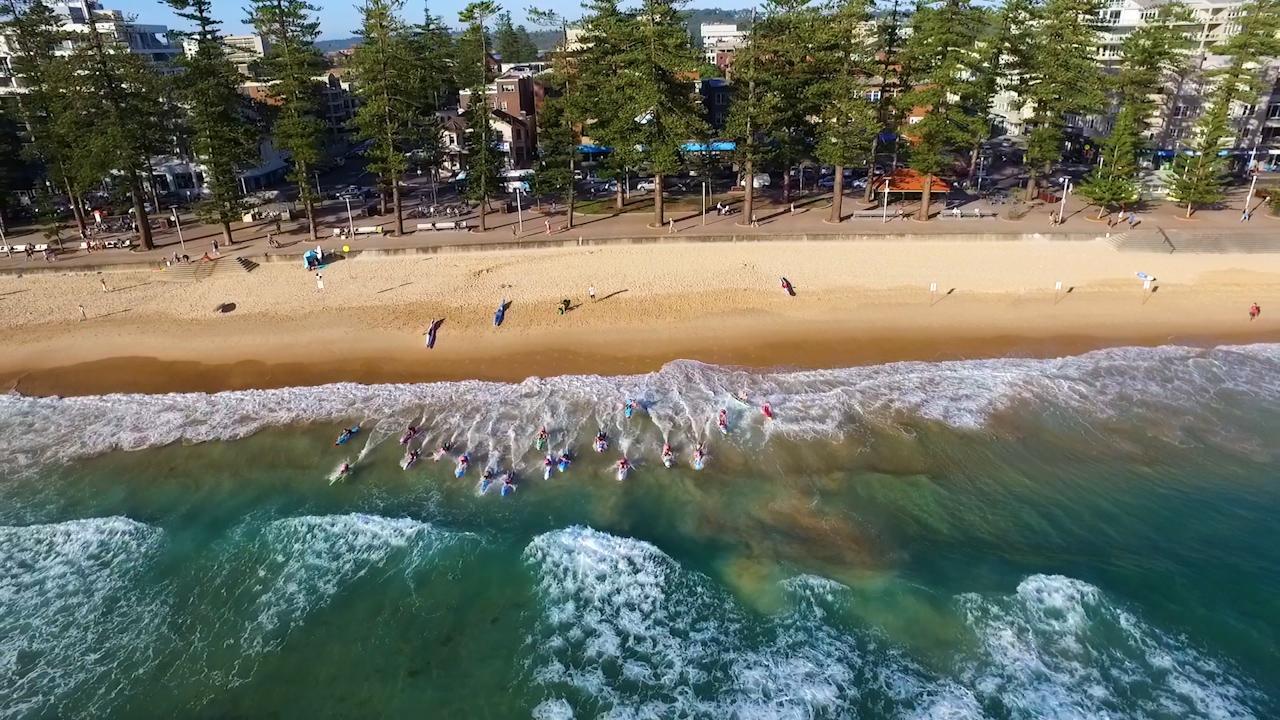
column 1062, row 210
column 351, row 224
column 177, row 222
column 519, row 214
column 1248, row 200
column 704, row 202
column 885, row 217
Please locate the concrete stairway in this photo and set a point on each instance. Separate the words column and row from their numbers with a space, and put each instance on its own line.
column 189, row 272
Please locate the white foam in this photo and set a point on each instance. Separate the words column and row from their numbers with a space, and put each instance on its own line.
column 1058, row 648
column 275, row 576
column 74, row 613
column 1176, row 392
column 629, row 634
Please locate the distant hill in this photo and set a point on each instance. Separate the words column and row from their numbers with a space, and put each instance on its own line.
column 326, row 46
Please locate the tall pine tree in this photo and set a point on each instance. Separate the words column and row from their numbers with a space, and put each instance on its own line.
column 752, row 111
column 121, row 92
column 847, row 121
column 292, row 64
column 224, row 140
column 558, row 121
column 484, row 162
column 389, row 116
column 657, row 63
column 941, row 56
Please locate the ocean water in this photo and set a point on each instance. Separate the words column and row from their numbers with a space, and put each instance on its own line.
column 1086, row 537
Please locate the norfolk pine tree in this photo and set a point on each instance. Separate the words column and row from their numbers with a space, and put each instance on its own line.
column 292, row 63
column 389, row 116
column 940, row 58
column 1150, row 55
column 223, row 137
column 600, row 106
column 120, row 91
column 558, row 122
column 847, row 122
column 1200, row 179
column 512, row 43
column 888, row 50
column 1060, row 77
column 752, row 111
column 483, row 161
column 658, row 66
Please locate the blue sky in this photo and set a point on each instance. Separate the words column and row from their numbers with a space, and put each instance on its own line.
column 339, row 18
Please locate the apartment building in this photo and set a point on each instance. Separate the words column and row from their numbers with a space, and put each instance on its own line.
column 1173, row 125
column 242, row 50
column 719, row 43
column 513, row 99
column 154, row 42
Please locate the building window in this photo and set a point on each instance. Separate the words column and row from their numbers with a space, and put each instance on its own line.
column 874, row 96
column 1181, row 111
column 504, row 105
column 1273, row 112
column 1247, row 110
column 1150, row 14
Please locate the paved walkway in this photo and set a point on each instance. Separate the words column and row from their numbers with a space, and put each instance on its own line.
column 1161, row 228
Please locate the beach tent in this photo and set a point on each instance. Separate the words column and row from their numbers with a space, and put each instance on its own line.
column 311, row 258
column 910, row 182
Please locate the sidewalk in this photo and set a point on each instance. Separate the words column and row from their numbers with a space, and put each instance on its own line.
column 807, row 222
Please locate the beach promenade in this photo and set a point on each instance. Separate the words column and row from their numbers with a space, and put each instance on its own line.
column 1161, row 224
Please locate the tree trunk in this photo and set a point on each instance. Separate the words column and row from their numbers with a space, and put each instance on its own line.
column 618, row 201
column 926, row 196
column 398, row 208
column 77, row 207
column 749, row 195
column 869, row 191
column 382, row 200
column 569, row 200
column 786, row 185
column 226, row 233
column 1189, row 207
column 140, row 212
column 309, row 207
column 658, row 215
column 837, row 195
column 484, row 206
column 1031, row 185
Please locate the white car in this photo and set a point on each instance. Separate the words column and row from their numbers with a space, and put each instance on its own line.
column 759, row 180
column 646, row 186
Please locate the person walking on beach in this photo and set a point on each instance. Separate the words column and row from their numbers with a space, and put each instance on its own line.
column 104, row 284
column 1254, row 311
column 319, row 282
column 591, row 293
column 83, row 317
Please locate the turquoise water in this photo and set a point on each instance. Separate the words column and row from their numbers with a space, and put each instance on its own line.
column 1090, row 537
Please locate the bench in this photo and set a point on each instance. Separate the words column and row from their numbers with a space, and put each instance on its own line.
column 875, row 213
column 966, row 215
column 369, row 230
column 443, row 226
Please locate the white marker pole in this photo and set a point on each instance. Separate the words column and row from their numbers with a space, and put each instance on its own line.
column 1057, row 289
column 885, row 214
column 933, row 292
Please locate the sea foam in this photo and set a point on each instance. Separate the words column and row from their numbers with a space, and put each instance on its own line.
column 625, row 632
column 1178, row 394
column 75, row 619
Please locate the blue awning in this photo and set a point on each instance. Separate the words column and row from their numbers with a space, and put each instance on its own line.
column 716, row 146
column 593, row 149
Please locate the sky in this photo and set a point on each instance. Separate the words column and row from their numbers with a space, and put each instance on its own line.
column 339, row 18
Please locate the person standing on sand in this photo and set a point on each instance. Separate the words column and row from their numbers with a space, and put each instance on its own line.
column 1133, row 220
column 83, row 317
column 104, row 284
column 1254, row 311
column 319, row 282
column 591, row 293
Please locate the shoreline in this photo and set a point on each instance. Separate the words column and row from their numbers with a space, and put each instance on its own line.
column 858, row 303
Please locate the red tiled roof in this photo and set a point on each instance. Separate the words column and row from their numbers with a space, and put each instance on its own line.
column 907, row 180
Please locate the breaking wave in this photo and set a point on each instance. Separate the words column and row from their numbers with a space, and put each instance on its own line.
column 624, row 632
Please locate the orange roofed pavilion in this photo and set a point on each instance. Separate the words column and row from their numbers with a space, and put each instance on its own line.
column 906, row 180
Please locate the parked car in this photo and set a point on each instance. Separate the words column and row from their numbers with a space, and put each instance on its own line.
column 646, row 186
column 601, row 187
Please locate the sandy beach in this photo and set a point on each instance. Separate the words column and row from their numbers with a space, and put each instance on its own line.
column 856, row 302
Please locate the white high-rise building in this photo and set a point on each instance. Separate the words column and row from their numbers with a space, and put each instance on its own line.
column 719, row 39
column 153, row 42
column 242, row 50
